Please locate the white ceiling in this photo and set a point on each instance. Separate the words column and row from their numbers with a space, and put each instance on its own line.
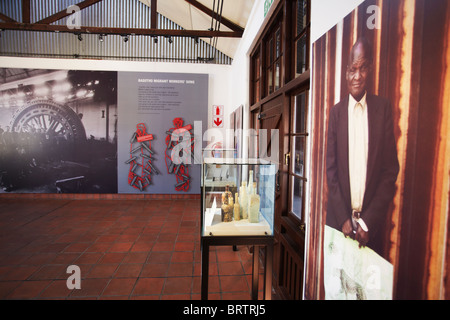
column 190, row 18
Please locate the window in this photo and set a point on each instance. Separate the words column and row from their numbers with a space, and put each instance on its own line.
column 256, row 77
column 298, row 136
column 301, row 36
column 274, row 59
column 270, row 71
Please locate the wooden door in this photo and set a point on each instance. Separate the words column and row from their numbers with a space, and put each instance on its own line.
column 292, row 220
column 288, row 228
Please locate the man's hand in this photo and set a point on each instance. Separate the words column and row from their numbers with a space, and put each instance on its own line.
column 347, row 228
column 361, row 236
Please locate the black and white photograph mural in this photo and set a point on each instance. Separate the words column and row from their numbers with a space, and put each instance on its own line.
column 58, row 131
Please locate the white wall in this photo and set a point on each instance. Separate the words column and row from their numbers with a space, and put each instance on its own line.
column 240, row 68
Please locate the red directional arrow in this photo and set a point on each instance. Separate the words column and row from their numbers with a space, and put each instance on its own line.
column 218, row 122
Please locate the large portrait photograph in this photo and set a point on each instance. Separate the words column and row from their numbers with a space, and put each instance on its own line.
column 381, row 96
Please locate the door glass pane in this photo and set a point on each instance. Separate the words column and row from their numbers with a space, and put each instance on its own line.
column 257, row 67
column 253, row 139
column 256, row 91
column 300, row 113
column 301, row 55
column 278, row 43
column 277, row 76
column 270, row 49
column 270, row 80
column 302, row 9
column 297, row 196
column 298, row 160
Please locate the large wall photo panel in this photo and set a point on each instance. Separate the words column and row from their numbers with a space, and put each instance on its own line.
column 80, row 131
column 163, row 103
column 58, row 131
column 405, row 72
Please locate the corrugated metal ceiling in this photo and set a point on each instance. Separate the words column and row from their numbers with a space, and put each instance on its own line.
column 121, row 14
column 189, row 17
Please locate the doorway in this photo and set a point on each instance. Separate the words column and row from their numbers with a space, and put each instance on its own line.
column 287, row 113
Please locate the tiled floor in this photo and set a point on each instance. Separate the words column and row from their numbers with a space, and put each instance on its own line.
column 142, row 249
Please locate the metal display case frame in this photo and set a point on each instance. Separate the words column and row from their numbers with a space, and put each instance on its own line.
column 265, row 241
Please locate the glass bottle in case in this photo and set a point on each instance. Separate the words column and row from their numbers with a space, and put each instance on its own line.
column 253, row 205
column 250, row 183
column 237, row 208
column 227, row 205
column 243, row 197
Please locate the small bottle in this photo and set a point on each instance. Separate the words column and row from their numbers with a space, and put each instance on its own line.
column 229, row 209
column 243, row 199
column 230, row 200
column 226, row 195
column 226, row 208
column 250, row 182
column 237, row 209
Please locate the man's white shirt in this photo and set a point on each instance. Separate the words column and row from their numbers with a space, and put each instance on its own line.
column 358, row 149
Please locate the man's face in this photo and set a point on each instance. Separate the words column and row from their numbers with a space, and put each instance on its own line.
column 357, row 73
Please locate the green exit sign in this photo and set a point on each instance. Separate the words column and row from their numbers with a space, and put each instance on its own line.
column 267, row 4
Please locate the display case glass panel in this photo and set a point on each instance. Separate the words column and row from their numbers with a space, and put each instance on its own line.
column 238, row 198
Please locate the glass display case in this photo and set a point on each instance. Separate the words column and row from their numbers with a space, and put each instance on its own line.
column 238, row 198
column 237, row 208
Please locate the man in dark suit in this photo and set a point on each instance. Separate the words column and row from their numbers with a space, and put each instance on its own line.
column 362, row 164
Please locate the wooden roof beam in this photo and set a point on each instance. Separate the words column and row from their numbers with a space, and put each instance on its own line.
column 6, row 18
column 26, row 13
column 119, row 31
column 63, row 13
column 154, row 14
column 209, row 12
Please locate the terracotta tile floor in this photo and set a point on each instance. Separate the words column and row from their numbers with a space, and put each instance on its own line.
column 126, row 249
